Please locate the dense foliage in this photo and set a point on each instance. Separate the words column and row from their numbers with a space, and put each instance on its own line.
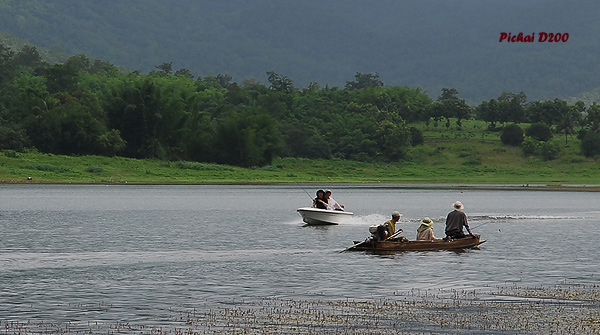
column 85, row 106
column 512, row 135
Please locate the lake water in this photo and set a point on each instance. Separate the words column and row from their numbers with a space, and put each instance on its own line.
column 134, row 254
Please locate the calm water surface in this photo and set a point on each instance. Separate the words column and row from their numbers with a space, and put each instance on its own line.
column 129, row 253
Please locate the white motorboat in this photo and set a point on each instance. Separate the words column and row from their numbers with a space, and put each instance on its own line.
column 316, row 216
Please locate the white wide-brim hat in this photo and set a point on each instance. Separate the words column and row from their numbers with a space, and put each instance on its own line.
column 458, row 205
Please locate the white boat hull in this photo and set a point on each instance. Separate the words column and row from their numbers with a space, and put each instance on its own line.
column 316, row 216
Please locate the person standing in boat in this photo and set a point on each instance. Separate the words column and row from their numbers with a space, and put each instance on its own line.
column 425, row 231
column 332, row 205
column 455, row 221
column 320, row 201
column 392, row 224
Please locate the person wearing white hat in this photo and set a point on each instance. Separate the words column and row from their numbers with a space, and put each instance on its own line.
column 455, row 221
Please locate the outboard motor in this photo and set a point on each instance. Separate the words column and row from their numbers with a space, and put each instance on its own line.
column 380, row 232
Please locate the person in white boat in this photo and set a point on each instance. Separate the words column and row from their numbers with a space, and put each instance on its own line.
column 331, row 203
column 320, row 201
column 425, row 231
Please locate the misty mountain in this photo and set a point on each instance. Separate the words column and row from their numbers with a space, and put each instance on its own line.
column 426, row 43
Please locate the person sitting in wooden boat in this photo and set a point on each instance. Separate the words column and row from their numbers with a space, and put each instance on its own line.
column 332, row 205
column 425, row 231
column 455, row 221
column 391, row 224
column 320, row 201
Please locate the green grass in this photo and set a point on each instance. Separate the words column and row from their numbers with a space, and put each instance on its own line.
column 469, row 156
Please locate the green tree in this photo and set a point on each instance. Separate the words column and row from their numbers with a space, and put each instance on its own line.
column 6, row 64
column 548, row 112
column 363, row 81
column 136, row 113
column 12, row 137
column 78, row 63
column 29, row 57
column 165, row 69
column 61, row 78
column 449, row 105
column 110, row 143
column 67, row 129
column 280, row 83
column 590, row 144
column 570, row 117
column 539, row 131
column 184, row 73
column 392, row 140
column 511, row 107
column 25, row 98
column 489, row 111
column 592, row 119
column 305, row 140
column 250, row 138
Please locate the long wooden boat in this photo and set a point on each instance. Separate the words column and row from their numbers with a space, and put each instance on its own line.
column 371, row 244
column 316, row 216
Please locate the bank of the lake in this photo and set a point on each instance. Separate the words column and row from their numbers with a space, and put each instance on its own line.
column 33, row 167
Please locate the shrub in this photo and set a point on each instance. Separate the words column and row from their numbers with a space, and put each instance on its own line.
column 530, row 146
column 492, row 127
column 11, row 154
column 472, row 162
column 185, row 165
column 590, row 144
column 416, row 137
column 94, row 169
column 45, row 167
column 512, row 135
column 14, row 139
column 549, row 151
column 539, row 131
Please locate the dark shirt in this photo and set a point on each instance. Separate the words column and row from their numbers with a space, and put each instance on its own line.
column 455, row 221
column 319, row 204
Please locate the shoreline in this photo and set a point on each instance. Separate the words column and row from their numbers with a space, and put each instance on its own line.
column 398, row 185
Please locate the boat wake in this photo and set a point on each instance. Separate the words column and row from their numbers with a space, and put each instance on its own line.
column 367, row 220
column 376, row 218
column 513, row 217
column 372, row 219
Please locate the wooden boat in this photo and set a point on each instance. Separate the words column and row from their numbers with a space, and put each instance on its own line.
column 371, row 244
column 316, row 216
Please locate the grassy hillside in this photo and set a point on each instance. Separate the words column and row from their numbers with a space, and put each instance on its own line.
column 470, row 156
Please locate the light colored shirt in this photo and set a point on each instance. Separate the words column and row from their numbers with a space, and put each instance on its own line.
column 333, row 205
column 426, row 235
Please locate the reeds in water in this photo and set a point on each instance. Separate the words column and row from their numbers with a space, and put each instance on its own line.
column 560, row 309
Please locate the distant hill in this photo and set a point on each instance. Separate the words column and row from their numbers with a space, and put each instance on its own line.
column 426, row 43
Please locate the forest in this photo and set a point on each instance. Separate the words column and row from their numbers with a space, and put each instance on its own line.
column 91, row 107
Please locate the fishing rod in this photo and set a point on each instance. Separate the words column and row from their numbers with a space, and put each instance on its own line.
column 483, row 224
column 311, row 198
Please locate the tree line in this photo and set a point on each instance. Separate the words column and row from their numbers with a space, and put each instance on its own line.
column 92, row 107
